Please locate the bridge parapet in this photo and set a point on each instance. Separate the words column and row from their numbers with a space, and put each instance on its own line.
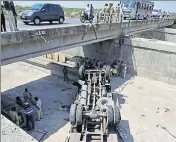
column 20, row 45
column 31, row 35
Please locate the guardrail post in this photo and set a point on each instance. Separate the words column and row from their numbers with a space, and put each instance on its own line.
column 121, row 20
column 129, row 21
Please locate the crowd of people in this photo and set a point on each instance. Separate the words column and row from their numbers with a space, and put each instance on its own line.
column 111, row 10
column 117, row 68
column 11, row 15
column 108, row 9
column 26, row 104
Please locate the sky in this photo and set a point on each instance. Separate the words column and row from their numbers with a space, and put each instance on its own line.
column 164, row 5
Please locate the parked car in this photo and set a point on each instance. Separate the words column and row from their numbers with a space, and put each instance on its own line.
column 156, row 13
column 41, row 12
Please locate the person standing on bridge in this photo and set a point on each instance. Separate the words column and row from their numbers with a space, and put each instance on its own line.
column 3, row 24
column 117, row 11
column 14, row 12
column 91, row 11
column 11, row 18
column 110, row 11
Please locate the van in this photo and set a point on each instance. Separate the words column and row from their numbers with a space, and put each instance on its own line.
column 42, row 12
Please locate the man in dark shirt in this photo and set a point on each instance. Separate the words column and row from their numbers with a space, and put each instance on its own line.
column 29, row 116
column 10, row 15
column 19, row 101
column 65, row 71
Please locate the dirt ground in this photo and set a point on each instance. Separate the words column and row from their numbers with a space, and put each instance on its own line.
column 147, row 106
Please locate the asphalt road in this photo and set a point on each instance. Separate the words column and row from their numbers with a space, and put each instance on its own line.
column 31, row 26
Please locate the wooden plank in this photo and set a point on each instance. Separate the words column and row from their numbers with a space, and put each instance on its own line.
column 75, row 137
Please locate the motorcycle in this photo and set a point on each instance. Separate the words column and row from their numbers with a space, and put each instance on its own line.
column 84, row 17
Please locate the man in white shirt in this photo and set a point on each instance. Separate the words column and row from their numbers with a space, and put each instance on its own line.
column 87, row 10
column 39, row 110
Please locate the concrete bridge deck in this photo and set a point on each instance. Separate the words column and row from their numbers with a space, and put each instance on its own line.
column 16, row 46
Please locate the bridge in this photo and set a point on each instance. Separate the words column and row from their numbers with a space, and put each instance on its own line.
column 16, row 46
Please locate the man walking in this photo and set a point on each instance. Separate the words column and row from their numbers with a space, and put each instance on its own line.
column 39, row 110
column 11, row 18
column 3, row 24
column 65, row 71
column 29, row 116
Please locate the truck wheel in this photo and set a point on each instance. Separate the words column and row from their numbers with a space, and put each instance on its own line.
column 79, row 114
column 103, row 102
column 110, row 116
column 73, row 114
column 117, row 116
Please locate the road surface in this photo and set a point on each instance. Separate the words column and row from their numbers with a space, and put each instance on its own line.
column 31, row 26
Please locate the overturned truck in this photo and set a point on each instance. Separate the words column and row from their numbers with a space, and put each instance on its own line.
column 94, row 113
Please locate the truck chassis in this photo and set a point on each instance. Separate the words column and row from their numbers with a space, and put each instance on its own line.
column 94, row 115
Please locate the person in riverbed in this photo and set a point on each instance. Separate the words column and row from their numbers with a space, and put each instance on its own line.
column 65, row 71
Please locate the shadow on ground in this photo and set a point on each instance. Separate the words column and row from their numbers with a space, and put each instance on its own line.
column 118, row 85
column 124, row 131
column 46, row 24
column 52, row 92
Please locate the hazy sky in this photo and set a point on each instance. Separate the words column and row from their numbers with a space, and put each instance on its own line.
column 164, row 5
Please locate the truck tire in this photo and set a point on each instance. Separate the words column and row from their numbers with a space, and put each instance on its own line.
column 79, row 114
column 73, row 114
column 117, row 116
column 110, row 116
column 103, row 102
